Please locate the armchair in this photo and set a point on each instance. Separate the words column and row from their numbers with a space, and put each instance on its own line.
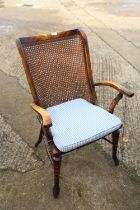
column 59, row 74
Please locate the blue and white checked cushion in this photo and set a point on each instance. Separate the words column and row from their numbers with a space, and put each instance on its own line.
column 78, row 122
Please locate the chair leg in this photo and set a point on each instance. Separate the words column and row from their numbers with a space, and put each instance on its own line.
column 39, row 138
column 115, row 139
column 57, row 165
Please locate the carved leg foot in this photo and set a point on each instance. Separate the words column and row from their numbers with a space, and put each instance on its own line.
column 57, row 165
column 115, row 139
column 56, row 191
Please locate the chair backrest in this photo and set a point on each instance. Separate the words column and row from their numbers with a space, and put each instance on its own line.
column 57, row 67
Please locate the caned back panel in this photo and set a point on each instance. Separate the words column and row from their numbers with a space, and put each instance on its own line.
column 58, row 69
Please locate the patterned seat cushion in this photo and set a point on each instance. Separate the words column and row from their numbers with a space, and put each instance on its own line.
column 78, row 122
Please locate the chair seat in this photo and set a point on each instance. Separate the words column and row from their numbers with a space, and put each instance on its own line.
column 78, row 122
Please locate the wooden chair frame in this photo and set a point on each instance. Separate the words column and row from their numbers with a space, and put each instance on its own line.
column 44, row 116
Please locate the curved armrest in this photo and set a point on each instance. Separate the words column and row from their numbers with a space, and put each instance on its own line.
column 116, row 86
column 43, row 113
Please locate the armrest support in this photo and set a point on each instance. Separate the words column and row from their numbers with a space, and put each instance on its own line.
column 122, row 90
column 116, row 86
column 115, row 102
column 43, row 113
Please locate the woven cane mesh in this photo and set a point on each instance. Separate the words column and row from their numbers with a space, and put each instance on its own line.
column 58, row 69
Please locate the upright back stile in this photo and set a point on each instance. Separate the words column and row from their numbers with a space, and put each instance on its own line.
column 57, row 67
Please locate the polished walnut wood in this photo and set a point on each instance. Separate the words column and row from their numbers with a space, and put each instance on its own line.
column 115, row 140
column 115, row 102
column 43, row 113
column 57, row 165
column 58, row 69
column 121, row 89
column 116, row 86
column 39, row 138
